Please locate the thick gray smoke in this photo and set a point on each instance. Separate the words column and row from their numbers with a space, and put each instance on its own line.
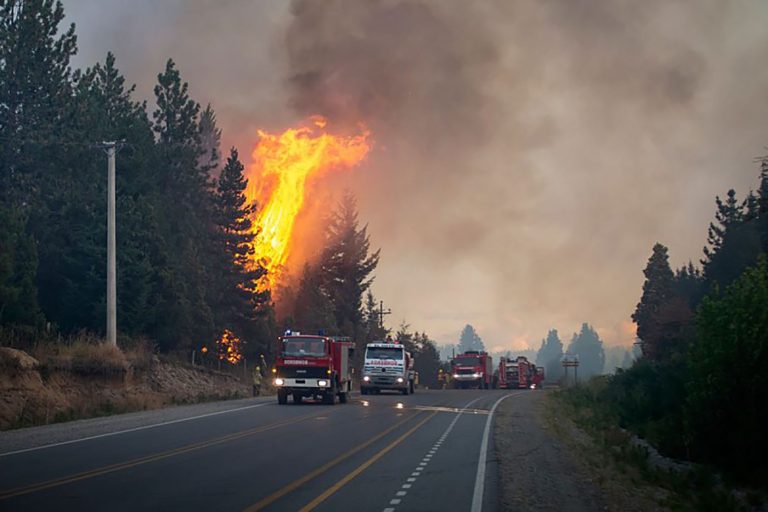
column 528, row 153
column 406, row 68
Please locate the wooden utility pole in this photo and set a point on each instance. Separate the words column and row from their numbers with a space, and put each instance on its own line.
column 383, row 312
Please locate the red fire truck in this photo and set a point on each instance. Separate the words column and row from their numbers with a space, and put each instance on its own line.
column 519, row 373
column 472, row 369
column 313, row 366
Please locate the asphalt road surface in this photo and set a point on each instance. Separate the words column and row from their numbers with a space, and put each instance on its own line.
column 428, row 451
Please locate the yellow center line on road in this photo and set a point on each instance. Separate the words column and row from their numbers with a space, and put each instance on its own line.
column 362, row 467
column 4, row 495
column 322, row 469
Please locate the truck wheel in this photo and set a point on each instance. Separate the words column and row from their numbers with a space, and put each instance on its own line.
column 404, row 391
column 282, row 397
column 342, row 398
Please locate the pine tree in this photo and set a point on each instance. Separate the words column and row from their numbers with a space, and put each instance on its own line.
column 34, row 89
column 727, row 214
column 550, row 356
column 18, row 267
column 71, row 226
column 589, row 347
column 469, row 340
column 210, row 140
column 628, row 360
column 735, row 240
column 426, row 361
column 347, row 264
column 406, row 337
column 184, row 316
column 313, row 309
column 657, row 289
column 237, row 303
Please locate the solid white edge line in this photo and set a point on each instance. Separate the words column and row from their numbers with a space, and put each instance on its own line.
column 477, row 496
column 135, row 429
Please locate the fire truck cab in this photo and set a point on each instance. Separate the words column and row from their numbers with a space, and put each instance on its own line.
column 313, row 366
column 519, row 373
column 387, row 365
column 472, row 369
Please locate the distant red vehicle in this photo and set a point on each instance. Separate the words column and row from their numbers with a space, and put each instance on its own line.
column 519, row 373
column 472, row 369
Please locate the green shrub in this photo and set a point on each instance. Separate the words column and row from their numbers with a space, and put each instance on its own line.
column 728, row 389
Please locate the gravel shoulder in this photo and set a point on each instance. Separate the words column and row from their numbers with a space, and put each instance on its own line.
column 547, row 463
column 536, row 471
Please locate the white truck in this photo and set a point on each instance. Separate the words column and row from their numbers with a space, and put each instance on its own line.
column 387, row 365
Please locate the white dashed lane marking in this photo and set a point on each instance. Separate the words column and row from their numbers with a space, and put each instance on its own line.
column 418, row 469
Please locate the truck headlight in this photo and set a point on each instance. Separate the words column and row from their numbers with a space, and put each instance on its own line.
column 455, row 375
column 279, row 381
column 366, row 378
column 322, row 383
column 399, row 380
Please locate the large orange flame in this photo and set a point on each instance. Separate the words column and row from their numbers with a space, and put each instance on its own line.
column 282, row 164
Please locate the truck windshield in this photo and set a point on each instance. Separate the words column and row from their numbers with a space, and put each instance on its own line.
column 303, row 347
column 467, row 361
column 384, row 353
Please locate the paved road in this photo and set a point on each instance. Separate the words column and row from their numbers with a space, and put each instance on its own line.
column 376, row 453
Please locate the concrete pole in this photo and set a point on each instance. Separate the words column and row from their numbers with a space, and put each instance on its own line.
column 111, row 249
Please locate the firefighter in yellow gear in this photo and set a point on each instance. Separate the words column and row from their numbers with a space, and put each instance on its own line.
column 256, row 381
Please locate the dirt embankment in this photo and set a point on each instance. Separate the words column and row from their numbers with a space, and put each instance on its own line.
column 34, row 392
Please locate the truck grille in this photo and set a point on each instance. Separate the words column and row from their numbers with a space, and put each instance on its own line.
column 389, row 370
column 311, row 372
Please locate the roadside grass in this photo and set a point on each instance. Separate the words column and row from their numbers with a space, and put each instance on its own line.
column 684, row 486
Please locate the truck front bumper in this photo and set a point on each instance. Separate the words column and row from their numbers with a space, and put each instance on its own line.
column 303, row 384
column 384, row 382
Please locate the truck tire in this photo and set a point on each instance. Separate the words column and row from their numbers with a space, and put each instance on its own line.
column 364, row 391
column 404, row 391
column 282, row 397
column 342, row 398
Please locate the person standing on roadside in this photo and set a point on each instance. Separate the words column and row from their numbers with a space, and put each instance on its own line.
column 256, row 380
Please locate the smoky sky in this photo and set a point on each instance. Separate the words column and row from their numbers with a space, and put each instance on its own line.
column 527, row 154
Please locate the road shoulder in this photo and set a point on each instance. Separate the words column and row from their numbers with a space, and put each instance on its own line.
column 547, row 463
column 536, row 471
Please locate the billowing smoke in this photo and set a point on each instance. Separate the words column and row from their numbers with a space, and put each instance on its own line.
column 410, row 69
column 528, row 153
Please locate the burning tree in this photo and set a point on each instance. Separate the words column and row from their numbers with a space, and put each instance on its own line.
column 277, row 181
column 229, row 347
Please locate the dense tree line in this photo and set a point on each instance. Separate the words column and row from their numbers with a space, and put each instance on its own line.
column 700, row 388
column 182, row 220
column 184, row 234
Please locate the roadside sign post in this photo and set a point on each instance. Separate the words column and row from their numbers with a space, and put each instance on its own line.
column 571, row 361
